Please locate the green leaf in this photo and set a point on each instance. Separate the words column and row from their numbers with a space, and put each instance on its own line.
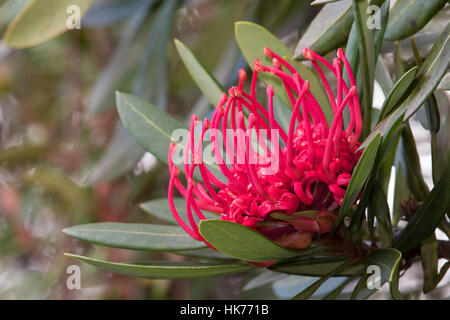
column 253, row 38
column 135, row 236
column 316, row 267
column 427, row 78
column 383, row 76
column 166, row 270
column 328, row 30
column 203, row 254
column 429, row 257
column 361, row 291
column 41, row 20
column 153, row 128
column 429, row 116
column 333, row 295
column 160, row 209
column 308, row 292
column 366, row 59
column 388, row 260
column 426, row 219
column 352, row 55
column 401, row 193
column 360, row 175
column 409, row 16
column 397, row 92
column 409, row 158
column 206, row 82
column 440, row 141
column 445, row 83
column 240, row 242
column 378, row 34
column 378, row 207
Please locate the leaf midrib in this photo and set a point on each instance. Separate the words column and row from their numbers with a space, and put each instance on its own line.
column 136, row 110
column 135, row 232
column 242, row 242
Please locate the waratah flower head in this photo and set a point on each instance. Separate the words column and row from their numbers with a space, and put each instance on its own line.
column 306, row 166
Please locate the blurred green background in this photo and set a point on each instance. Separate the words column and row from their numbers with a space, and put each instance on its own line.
column 64, row 160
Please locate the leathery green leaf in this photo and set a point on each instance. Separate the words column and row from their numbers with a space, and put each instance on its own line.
column 241, row 242
column 360, row 175
column 253, row 38
column 409, row 16
column 41, row 20
column 205, row 81
column 135, row 236
column 166, row 270
column 389, row 261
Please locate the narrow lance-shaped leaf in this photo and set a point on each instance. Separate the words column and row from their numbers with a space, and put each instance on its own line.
column 151, row 127
column 429, row 115
column 41, row 20
column 360, row 175
column 401, row 193
column 308, row 292
column 429, row 256
column 426, row 219
column 206, row 82
column 334, row 294
column 135, row 236
column 166, row 270
column 400, row 87
column 352, row 54
column 379, row 208
column 409, row 158
column 316, row 267
column 440, row 141
column 203, row 254
column 328, row 30
column 379, row 33
column 242, row 243
column 409, row 16
column 427, row 79
column 366, row 59
column 430, row 73
column 389, row 261
column 253, row 38
column 362, row 283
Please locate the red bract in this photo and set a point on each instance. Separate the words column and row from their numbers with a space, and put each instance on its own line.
column 307, row 167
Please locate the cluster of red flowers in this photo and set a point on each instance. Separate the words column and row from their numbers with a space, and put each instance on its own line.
column 314, row 161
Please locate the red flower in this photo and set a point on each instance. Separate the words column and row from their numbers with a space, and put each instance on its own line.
column 307, row 167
